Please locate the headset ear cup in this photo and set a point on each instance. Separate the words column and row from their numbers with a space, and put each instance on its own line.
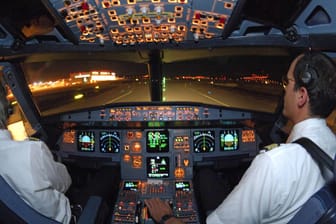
column 308, row 76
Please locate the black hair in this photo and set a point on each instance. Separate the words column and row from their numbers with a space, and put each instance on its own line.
column 317, row 73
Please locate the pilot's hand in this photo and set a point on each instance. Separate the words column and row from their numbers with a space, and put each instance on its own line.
column 158, row 208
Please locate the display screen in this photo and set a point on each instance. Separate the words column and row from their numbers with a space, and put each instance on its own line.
column 182, row 186
column 131, row 185
column 86, row 141
column 204, row 141
column 157, row 141
column 158, row 167
column 229, row 140
column 109, row 141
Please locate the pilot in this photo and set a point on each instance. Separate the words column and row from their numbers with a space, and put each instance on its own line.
column 280, row 180
column 29, row 168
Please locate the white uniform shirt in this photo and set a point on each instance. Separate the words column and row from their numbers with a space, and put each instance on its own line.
column 29, row 168
column 279, row 181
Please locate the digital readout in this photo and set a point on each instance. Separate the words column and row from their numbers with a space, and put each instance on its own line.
column 86, row 141
column 158, row 167
column 182, row 186
column 109, row 141
column 204, row 141
column 131, row 185
column 229, row 140
column 157, row 141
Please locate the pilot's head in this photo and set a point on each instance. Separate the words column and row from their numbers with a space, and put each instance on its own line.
column 4, row 106
column 317, row 73
column 311, row 80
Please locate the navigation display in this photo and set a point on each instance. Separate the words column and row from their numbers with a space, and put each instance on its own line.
column 158, row 167
column 204, row 141
column 182, row 186
column 229, row 140
column 131, row 186
column 85, row 141
column 109, row 141
column 157, row 141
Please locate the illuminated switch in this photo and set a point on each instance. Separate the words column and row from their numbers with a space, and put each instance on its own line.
column 171, row 20
column 179, row 172
column 196, row 38
column 148, row 29
column 127, row 158
column 228, row 5
column 129, row 29
column 121, row 23
column 138, row 134
column 129, row 11
column 178, row 15
column 146, row 20
column 144, row 10
column 208, row 36
column 136, row 147
column 186, row 162
column 130, row 134
column 116, row 2
column 82, row 29
column 137, row 162
column 178, row 9
column 101, row 40
column 197, row 15
column 222, row 20
column 126, row 147
column 85, row 6
column 158, row 9
column 181, row 28
column 158, row 20
column 106, row 4
column 112, row 13
column 134, row 21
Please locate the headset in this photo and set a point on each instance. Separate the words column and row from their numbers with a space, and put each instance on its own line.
column 309, row 74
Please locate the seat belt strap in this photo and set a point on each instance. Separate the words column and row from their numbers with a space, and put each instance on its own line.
column 316, row 152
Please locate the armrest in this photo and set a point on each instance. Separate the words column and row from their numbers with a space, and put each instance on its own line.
column 90, row 211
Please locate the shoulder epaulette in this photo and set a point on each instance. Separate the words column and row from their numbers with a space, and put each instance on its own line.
column 33, row 139
column 269, row 147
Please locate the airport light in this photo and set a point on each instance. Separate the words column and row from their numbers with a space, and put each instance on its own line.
column 78, row 96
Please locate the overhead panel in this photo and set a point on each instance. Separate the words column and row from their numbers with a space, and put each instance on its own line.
column 130, row 22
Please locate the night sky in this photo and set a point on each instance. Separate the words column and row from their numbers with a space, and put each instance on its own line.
column 229, row 66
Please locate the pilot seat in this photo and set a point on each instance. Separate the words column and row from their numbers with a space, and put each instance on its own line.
column 13, row 209
column 321, row 207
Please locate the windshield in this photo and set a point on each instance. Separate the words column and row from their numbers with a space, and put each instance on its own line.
column 60, row 86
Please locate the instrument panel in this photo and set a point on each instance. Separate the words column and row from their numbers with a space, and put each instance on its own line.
column 131, row 22
column 157, row 148
column 167, row 146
